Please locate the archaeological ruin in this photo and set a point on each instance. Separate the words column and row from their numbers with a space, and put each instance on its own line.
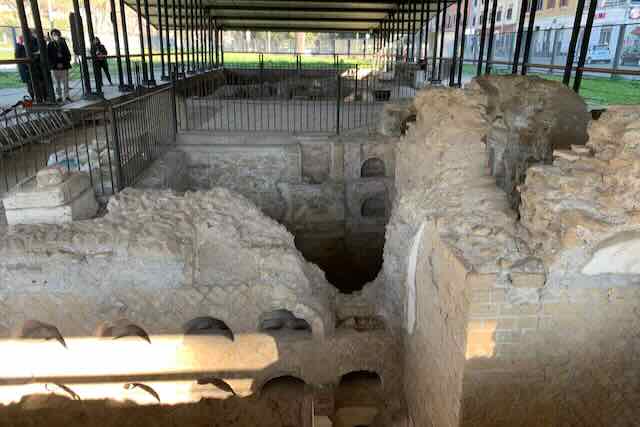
column 393, row 235
column 472, row 262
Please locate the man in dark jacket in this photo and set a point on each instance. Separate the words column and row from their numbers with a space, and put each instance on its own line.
column 60, row 63
column 99, row 54
column 33, row 79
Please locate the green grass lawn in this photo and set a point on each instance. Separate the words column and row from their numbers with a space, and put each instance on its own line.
column 601, row 91
column 251, row 60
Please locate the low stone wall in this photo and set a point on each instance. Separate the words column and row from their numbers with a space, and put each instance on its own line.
column 160, row 260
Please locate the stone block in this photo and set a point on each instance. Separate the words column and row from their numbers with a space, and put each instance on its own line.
column 83, row 207
column 54, row 196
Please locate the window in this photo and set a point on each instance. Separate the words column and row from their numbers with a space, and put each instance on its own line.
column 551, row 4
column 605, row 36
column 499, row 15
column 473, row 21
column 509, row 13
column 539, row 4
column 564, row 3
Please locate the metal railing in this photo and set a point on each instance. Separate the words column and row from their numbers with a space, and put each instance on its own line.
column 112, row 142
column 285, row 98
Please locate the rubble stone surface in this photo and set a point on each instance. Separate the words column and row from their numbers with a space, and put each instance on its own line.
column 202, row 252
column 514, row 317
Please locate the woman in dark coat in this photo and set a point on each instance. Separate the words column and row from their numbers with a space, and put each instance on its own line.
column 60, row 63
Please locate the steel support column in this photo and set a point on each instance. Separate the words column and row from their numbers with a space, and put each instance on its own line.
column 516, row 53
column 145, row 76
column 215, row 30
column 163, row 75
column 584, row 47
column 28, row 44
column 414, row 9
column 492, row 28
column 421, row 37
column 462, row 42
column 152, row 78
column 86, row 79
column 454, row 65
column 116, row 40
column 434, row 79
column 527, row 43
column 575, row 34
column 427, row 19
column 444, row 16
column 483, row 34
column 167, row 76
column 125, row 42
column 186, row 36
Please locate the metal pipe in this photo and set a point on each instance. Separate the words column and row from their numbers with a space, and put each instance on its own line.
column 28, row 43
column 435, row 45
column 426, row 36
column 145, row 77
column 116, row 40
column 182, row 69
column 444, row 16
column 483, row 33
column 527, row 43
column 487, row 67
column 193, row 35
column 168, row 41
column 83, row 53
column 584, row 47
column 516, row 53
column 163, row 75
column 421, row 31
column 97, row 73
column 125, row 41
column 413, row 30
column 152, row 78
column 217, row 41
column 462, row 42
column 452, row 68
column 575, row 34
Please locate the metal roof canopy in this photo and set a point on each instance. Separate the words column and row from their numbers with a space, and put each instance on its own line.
column 294, row 15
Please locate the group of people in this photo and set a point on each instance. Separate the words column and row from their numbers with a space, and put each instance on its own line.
column 59, row 58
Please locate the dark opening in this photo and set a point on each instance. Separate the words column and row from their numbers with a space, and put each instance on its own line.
column 359, row 388
column 349, row 261
column 374, row 207
column 372, row 167
column 282, row 386
column 283, row 322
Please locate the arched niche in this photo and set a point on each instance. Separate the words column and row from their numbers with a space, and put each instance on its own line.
column 373, row 167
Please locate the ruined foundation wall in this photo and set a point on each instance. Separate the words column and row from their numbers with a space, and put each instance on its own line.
column 528, row 326
column 160, row 259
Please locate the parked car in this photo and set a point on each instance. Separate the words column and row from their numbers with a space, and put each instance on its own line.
column 599, row 54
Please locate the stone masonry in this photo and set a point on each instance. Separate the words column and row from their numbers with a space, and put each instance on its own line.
column 533, row 313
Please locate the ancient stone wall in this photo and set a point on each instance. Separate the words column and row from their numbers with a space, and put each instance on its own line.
column 211, row 253
column 522, row 318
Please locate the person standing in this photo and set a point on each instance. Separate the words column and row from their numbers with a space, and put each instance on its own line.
column 23, row 69
column 99, row 54
column 60, row 63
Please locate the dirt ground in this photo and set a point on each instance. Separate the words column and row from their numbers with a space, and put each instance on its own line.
column 57, row 411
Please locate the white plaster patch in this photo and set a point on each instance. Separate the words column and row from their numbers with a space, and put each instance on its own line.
column 411, row 280
column 622, row 257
